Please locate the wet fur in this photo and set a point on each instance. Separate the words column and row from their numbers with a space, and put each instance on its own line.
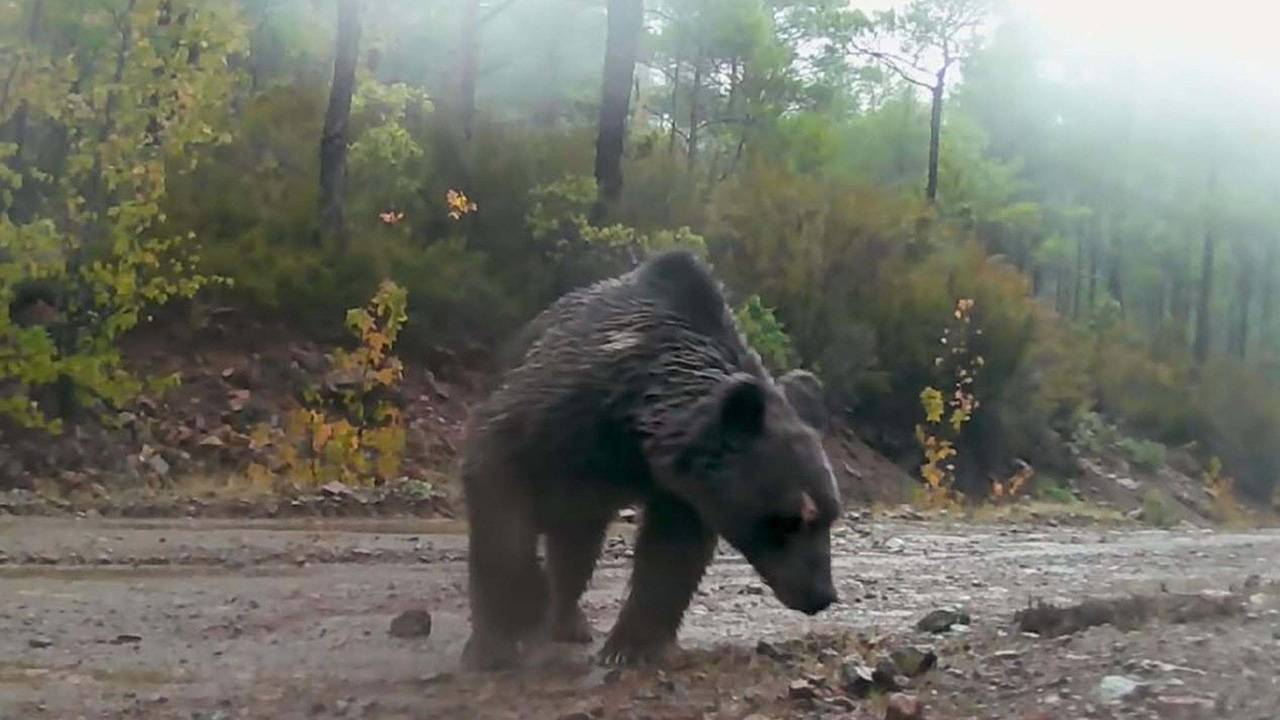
column 635, row 390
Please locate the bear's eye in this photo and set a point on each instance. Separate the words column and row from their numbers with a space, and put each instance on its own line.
column 781, row 527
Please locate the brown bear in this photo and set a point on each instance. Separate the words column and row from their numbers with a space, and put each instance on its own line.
column 639, row 389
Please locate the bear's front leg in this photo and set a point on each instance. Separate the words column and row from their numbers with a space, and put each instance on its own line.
column 672, row 552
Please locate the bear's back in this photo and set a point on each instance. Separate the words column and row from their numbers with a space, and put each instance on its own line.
column 600, row 346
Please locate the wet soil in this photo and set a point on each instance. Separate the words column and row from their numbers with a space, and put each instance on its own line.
column 213, row 620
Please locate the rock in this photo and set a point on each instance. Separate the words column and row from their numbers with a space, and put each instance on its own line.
column 885, row 675
column 335, row 489
column 912, row 661
column 576, row 716
column 627, row 515
column 942, row 620
column 1115, row 688
column 906, row 512
column 895, row 545
column 769, row 650
column 904, row 707
column 1184, row 707
column 39, row 643
column 126, row 639
column 158, row 465
column 801, row 690
column 857, row 679
column 1127, row 483
column 238, row 399
column 842, row 704
column 411, row 624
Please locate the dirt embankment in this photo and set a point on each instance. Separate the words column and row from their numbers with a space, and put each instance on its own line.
column 185, row 452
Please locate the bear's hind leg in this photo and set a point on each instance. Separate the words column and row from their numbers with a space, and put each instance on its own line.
column 672, row 553
column 508, row 589
column 571, row 558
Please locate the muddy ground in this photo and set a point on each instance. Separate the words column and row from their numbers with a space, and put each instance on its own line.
column 215, row 620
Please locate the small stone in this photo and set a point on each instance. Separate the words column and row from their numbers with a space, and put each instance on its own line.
column 335, row 489
column 886, row 676
column 39, row 643
column 942, row 620
column 857, row 679
column 769, row 650
column 411, row 624
column 126, row 639
column 904, row 707
column 1115, row 688
column 576, row 716
column 1184, row 707
column 842, row 704
column 801, row 690
column 158, row 464
column 912, row 661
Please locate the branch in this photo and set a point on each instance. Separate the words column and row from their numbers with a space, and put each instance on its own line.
column 890, row 62
column 895, row 63
column 495, row 11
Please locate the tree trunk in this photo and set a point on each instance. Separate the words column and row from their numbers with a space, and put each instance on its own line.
column 1204, row 326
column 626, row 18
column 1115, row 271
column 692, row 156
column 935, row 136
column 1268, row 295
column 333, row 142
column 468, row 54
column 1093, row 272
column 1244, row 302
column 1079, row 284
column 1059, row 291
column 1180, row 307
column 675, row 105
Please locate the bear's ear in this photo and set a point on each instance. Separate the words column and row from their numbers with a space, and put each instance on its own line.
column 741, row 403
column 804, row 391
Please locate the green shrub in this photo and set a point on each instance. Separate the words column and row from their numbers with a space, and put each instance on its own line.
column 1143, row 454
column 766, row 334
column 1093, row 434
column 1158, row 509
column 1054, row 491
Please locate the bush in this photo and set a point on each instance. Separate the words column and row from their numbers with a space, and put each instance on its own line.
column 1144, row 454
column 1158, row 509
column 1054, row 492
column 1238, row 419
column 766, row 334
column 1092, row 434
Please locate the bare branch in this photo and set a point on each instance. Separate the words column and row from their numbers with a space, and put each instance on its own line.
column 495, row 11
column 894, row 63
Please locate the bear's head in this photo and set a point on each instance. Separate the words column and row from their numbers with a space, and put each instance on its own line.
column 757, row 473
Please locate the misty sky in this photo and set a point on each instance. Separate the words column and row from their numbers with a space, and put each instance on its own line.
column 1186, row 48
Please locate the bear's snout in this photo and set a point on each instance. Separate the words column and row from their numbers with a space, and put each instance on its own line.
column 810, row 599
column 820, row 600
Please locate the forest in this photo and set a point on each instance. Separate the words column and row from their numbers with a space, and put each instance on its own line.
column 998, row 247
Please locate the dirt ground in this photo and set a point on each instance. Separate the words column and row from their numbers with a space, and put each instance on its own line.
column 214, row 620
